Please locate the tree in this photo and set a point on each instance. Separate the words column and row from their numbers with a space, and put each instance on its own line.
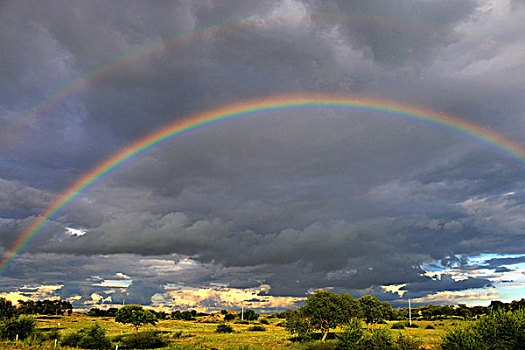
column 373, row 309
column 186, row 316
column 136, row 315
column 250, row 315
column 349, row 307
column 7, row 310
column 44, row 307
column 324, row 310
column 297, row 322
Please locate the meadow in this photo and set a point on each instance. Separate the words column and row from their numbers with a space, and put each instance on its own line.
column 201, row 333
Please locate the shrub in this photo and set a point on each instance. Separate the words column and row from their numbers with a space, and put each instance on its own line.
column 500, row 330
column 71, row 339
column 257, row 328
column 229, row 317
column 50, row 335
column 407, row 343
column 380, row 339
column 352, row 333
column 93, row 337
column 461, row 338
column 24, row 326
column 224, row 328
column 144, row 340
column 429, row 326
column 398, row 325
column 242, row 322
column 264, row 321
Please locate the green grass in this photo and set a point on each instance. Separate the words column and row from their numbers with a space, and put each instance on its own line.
column 201, row 335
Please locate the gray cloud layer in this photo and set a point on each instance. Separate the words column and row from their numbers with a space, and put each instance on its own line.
column 297, row 200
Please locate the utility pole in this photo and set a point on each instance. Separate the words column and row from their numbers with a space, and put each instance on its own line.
column 242, row 312
column 409, row 313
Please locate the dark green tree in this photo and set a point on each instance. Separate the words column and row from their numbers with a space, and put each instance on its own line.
column 324, row 311
column 136, row 315
column 250, row 315
column 517, row 304
column 298, row 323
column 373, row 310
column 186, row 316
column 7, row 310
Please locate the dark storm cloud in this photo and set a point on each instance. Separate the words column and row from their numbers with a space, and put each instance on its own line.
column 395, row 32
column 298, row 200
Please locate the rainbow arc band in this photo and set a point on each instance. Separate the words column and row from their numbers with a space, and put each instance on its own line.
column 255, row 107
column 110, row 66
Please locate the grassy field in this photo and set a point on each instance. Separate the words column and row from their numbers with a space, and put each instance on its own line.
column 201, row 335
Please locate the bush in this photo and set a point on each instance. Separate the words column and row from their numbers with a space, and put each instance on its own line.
column 380, row 339
column 461, row 338
column 430, row 327
column 24, row 326
column 224, row 328
column 264, row 321
column 398, row 325
column 50, row 335
column 500, row 330
column 413, row 325
column 257, row 328
column 352, row 333
column 407, row 343
column 144, row 340
column 229, row 317
column 93, row 337
column 71, row 339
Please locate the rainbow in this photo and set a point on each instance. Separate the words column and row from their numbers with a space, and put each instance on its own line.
column 252, row 108
column 108, row 67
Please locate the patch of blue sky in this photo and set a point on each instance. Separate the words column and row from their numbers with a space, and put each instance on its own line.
column 483, row 258
column 115, row 283
column 477, row 260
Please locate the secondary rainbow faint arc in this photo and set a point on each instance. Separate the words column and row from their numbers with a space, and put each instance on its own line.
column 257, row 107
column 106, row 68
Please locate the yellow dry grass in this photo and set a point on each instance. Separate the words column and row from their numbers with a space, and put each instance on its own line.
column 201, row 335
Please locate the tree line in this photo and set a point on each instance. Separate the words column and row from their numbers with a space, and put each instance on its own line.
column 31, row 307
column 325, row 310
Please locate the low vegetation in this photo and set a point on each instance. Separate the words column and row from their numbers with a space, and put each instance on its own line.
column 501, row 327
column 92, row 337
column 499, row 330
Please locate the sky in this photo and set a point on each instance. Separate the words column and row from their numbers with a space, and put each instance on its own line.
column 262, row 210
